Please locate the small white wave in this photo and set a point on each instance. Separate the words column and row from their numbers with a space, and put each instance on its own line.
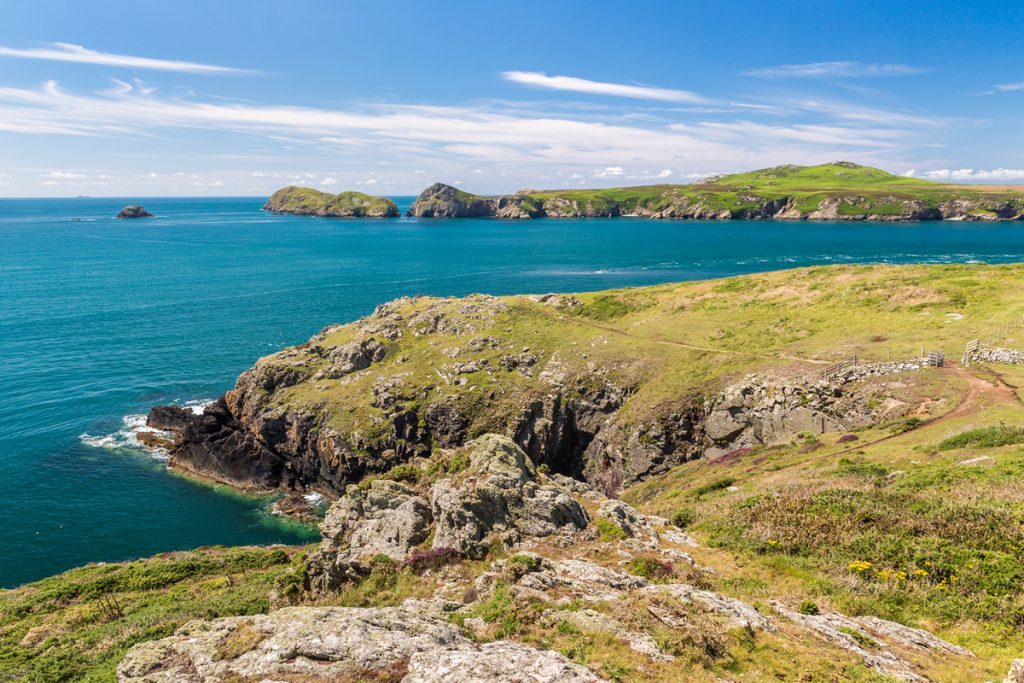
column 128, row 437
column 314, row 499
column 199, row 405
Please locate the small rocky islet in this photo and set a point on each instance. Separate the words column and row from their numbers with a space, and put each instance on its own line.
column 837, row 191
column 134, row 211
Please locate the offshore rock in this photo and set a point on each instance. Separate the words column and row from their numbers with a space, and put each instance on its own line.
column 134, row 211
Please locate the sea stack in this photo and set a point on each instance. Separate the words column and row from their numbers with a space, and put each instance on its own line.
column 134, row 211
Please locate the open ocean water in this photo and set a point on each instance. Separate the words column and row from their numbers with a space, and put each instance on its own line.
column 101, row 319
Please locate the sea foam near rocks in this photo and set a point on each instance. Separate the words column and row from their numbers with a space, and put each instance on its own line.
column 132, row 426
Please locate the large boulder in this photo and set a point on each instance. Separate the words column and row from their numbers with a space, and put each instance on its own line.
column 499, row 494
column 386, row 518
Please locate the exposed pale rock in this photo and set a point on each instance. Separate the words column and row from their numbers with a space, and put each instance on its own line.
column 387, row 517
column 626, row 518
column 913, row 637
column 499, row 661
column 1016, row 672
column 737, row 611
column 499, row 494
column 839, row 630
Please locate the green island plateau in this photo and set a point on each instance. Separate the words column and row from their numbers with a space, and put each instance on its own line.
column 837, row 191
column 804, row 475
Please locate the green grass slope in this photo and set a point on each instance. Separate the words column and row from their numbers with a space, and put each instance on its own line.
column 305, row 201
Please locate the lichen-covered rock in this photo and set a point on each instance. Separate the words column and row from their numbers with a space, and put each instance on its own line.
column 736, row 611
column 870, row 638
column 499, row 661
column 386, row 518
column 1016, row 672
column 411, row 643
column 500, row 493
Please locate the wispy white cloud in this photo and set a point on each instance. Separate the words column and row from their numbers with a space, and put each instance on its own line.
column 539, row 79
column 610, row 172
column 1009, row 87
column 842, row 69
column 452, row 141
column 69, row 52
column 997, row 174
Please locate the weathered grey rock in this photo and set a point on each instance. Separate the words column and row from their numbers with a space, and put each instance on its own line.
column 319, row 643
column 736, row 611
column 911, row 637
column 1016, row 672
column 413, row 642
column 499, row 661
column 849, row 635
column 499, row 494
column 387, row 517
column 626, row 518
column 352, row 357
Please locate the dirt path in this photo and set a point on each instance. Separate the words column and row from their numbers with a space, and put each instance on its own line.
column 978, row 388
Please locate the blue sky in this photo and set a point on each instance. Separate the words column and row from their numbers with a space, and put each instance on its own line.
column 203, row 98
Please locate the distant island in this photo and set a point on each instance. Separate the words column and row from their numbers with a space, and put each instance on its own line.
column 840, row 190
column 305, row 201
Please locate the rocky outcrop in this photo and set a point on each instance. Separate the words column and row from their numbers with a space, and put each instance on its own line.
column 499, row 494
column 292, row 422
column 499, row 497
column 444, row 201
column 134, row 211
column 305, row 201
column 760, row 410
column 411, row 643
column 1016, row 672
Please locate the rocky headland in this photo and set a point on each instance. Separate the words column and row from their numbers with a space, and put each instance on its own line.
column 305, row 201
column 583, row 399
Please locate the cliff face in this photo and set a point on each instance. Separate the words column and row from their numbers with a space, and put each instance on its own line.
column 444, row 201
column 304, row 201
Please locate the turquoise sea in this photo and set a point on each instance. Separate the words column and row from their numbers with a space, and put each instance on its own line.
column 101, row 319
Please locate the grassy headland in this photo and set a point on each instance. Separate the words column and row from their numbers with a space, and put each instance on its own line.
column 835, row 191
